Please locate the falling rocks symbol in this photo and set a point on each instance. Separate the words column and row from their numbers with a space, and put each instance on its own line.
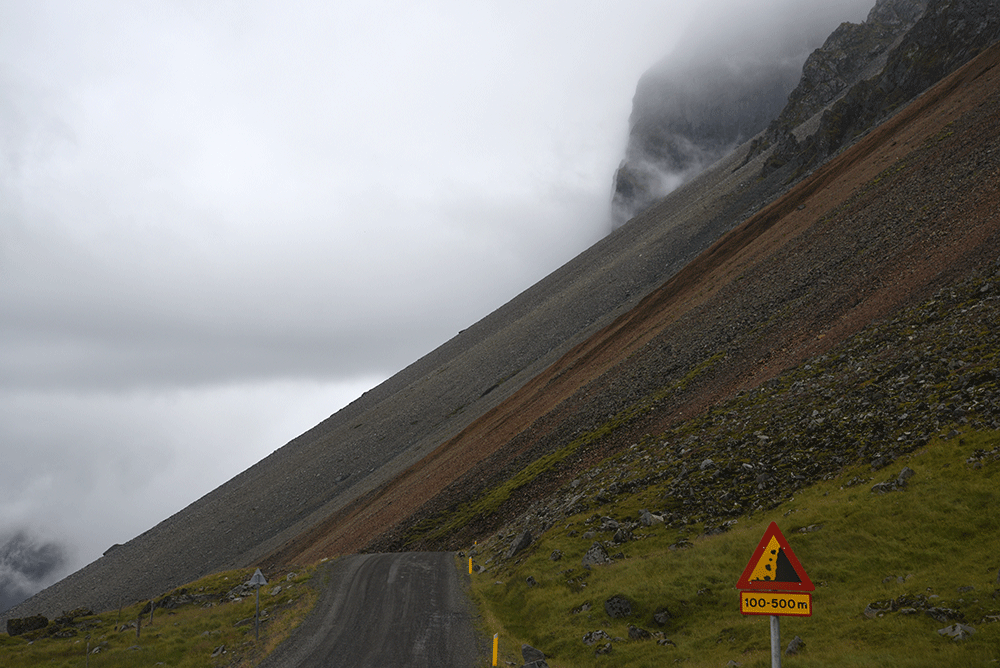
column 774, row 567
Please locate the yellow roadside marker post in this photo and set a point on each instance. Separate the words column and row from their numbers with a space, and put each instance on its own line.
column 496, row 641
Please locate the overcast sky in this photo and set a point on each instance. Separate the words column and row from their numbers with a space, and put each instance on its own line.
column 222, row 221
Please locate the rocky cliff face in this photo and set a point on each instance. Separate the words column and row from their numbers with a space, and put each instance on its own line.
column 850, row 54
column 684, row 121
column 680, row 125
column 947, row 35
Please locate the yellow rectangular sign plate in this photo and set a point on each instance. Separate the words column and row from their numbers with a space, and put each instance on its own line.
column 775, row 603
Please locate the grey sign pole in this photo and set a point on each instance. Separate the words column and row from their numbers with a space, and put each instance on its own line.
column 775, row 642
column 257, row 581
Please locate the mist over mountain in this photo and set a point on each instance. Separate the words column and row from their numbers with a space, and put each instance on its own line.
column 693, row 108
column 26, row 564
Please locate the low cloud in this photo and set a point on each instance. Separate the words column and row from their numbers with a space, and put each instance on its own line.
column 26, row 565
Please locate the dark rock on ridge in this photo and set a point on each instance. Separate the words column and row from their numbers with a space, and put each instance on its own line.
column 853, row 52
column 947, row 35
column 693, row 108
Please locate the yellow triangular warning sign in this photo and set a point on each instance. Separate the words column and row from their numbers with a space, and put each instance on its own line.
column 773, row 566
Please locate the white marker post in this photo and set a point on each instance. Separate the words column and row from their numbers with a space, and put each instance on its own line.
column 257, row 580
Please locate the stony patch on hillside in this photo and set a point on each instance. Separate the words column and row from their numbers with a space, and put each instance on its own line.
column 930, row 372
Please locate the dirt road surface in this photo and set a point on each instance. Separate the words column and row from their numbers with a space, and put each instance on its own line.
column 376, row 610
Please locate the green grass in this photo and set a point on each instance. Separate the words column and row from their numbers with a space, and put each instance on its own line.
column 183, row 637
column 939, row 534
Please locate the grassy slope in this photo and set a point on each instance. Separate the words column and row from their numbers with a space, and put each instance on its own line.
column 186, row 636
column 917, row 391
column 939, row 534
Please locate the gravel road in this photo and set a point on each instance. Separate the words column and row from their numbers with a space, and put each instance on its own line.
column 403, row 609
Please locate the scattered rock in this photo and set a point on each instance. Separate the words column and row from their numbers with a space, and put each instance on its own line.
column 622, row 536
column 896, row 484
column 531, row 581
column 795, row 646
column 957, row 631
column 636, row 633
column 618, row 607
column 556, row 555
column 603, row 649
column 531, row 655
column 596, row 555
column 520, row 543
column 648, row 519
column 942, row 614
column 662, row 617
column 219, row 651
column 594, row 636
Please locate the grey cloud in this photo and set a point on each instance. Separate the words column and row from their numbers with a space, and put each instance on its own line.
column 26, row 564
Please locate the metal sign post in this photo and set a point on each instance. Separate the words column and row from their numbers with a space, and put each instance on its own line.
column 775, row 642
column 774, row 584
column 257, row 581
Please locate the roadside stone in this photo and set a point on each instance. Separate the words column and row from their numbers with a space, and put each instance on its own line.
column 531, row 581
column 618, row 607
column 219, row 651
column 603, row 649
column 596, row 555
column 795, row 646
column 556, row 555
column 594, row 636
column 531, row 655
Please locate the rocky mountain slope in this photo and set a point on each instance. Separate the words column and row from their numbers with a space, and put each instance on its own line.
column 715, row 290
column 906, row 212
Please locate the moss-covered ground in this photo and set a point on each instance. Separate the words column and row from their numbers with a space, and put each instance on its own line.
column 932, row 545
column 209, row 629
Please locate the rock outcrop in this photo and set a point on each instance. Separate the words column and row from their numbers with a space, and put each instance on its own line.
column 948, row 34
column 680, row 125
column 716, row 92
column 852, row 53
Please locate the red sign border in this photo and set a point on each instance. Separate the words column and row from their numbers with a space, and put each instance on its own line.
column 744, row 583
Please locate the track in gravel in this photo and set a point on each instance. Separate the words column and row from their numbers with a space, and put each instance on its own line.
column 402, row 609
